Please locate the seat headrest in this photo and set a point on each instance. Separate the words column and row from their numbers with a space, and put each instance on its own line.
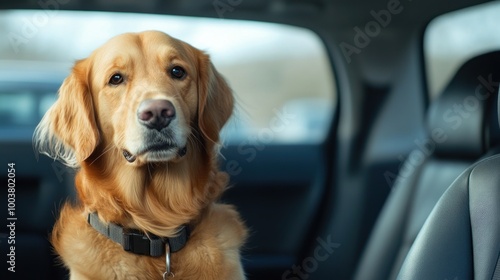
column 464, row 120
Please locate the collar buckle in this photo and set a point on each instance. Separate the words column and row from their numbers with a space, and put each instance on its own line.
column 137, row 242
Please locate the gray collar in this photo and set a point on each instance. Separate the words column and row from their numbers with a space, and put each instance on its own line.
column 139, row 242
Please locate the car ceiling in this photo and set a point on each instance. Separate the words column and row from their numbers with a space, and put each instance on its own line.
column 335, row 13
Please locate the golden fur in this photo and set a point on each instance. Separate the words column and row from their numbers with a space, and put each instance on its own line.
column 91, row 125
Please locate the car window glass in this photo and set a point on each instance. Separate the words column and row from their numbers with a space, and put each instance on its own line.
column 453, row 38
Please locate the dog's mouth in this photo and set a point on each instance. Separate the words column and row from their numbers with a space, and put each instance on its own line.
column 152, row 146
column 157, row 153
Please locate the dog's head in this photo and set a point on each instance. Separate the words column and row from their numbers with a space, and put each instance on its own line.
column 147, row 95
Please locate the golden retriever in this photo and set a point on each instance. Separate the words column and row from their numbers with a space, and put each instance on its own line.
column 140, row 118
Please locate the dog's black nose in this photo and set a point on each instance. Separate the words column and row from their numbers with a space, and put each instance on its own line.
column 156, row 113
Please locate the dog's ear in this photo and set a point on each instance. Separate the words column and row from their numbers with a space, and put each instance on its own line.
column 215, row 101
column 68, row 131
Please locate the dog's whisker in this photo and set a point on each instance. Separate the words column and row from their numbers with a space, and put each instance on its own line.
column 149, row 172
column 107, row 149
column 221, row 155
column 195, row 142
column 194, row 137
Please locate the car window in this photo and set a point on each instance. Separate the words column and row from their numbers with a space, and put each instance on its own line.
column 453, row 38
column 281, row 75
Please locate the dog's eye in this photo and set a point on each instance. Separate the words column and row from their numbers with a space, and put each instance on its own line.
column 178, row 72
column 116, row 79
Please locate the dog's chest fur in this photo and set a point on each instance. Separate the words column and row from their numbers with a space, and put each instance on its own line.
column 212, row 251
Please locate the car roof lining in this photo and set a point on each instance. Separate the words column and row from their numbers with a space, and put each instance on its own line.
column 332, row 13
